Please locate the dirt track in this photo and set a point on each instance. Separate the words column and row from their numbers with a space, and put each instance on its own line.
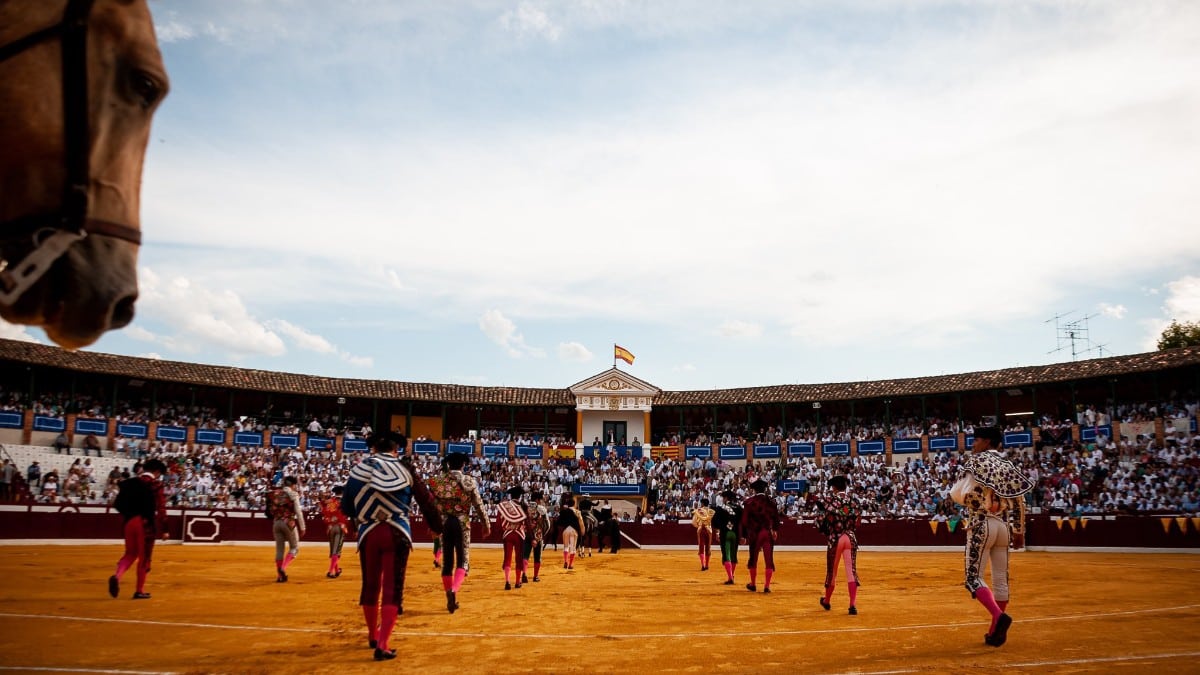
column 217, row 609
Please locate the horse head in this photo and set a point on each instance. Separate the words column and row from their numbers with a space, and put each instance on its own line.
column 79, row 83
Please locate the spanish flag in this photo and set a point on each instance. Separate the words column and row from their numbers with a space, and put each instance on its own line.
column 625, row 355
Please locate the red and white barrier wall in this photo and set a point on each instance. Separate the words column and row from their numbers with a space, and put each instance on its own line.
column 84, row 523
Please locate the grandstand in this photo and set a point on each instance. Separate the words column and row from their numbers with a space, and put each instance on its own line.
column 1082, row 429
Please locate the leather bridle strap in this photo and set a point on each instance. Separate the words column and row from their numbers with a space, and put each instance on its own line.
column 51, row 235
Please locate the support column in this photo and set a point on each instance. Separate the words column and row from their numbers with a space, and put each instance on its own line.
column 646, row 428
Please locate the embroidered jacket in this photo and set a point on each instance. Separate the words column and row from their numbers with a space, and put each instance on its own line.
column 702, row 517
column 537, row 521
column 284, row 504
column 728, row 518
column 989, row 484
column 381, row 489
column 511, row 517
column 759, row 513
column 838, row 515
column 331, row 513
column 455, row 493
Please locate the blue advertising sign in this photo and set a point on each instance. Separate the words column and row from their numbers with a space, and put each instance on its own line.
column 172, row 434
column 91, row 426
column 835, row 449
column 210, row 437
column 766, row 451
column 871, row 448
column 802, row 449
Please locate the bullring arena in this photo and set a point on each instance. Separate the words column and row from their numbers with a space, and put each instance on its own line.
column 1106, row 585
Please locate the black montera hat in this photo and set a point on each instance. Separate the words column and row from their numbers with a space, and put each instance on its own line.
column 990, row 434
column 759, row 485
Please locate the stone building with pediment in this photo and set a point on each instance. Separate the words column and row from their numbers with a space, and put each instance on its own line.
column 615, row 407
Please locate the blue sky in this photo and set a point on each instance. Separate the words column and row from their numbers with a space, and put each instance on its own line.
column 741, row 194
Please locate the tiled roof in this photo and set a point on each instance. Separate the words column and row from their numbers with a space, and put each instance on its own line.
column 271, row 381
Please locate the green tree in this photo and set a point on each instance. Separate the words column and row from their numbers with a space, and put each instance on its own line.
column 1186, row 334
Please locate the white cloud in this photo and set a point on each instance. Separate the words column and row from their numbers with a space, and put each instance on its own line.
column 1113, row 311
column 194, row 319
column 740, row 329
column 306, row 340
column 573, row 352
column 499, row 329
column 301, row 338
column 11, row 331
column 139, row 333
column 684, row 368
column 529, row 20
column 173, row 31
column 151, row 355
column 1182, row 303
column 1183, row 299
column 359, row 361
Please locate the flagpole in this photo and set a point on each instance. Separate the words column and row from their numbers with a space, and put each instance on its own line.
column 614, row 355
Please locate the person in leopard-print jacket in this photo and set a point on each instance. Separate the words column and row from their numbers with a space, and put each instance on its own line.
column 991, row 488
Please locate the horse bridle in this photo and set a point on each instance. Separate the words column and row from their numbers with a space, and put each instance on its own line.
column 52, row 234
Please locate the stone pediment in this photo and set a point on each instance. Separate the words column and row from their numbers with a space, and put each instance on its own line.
column 614, row 389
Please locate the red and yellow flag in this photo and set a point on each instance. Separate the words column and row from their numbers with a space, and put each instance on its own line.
column 625, row 355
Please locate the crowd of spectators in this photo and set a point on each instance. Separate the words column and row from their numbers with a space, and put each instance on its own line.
column 1071, row 479
column 1123, row 475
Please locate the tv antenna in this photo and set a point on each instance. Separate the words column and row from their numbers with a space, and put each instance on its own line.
column 1074, row 333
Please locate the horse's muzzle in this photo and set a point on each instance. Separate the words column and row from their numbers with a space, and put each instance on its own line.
column 91, row 289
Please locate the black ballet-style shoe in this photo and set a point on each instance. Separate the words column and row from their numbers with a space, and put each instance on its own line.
column 538, row 579
column 853, row 611
column 141, row 596
column 729, row 582
column 381, row 655
column 507, row 586
column 451, row 601
column 524, row 579
column 1000, row 635
column 766, row 589
column 281, row 577
column 825, row 604
column 751, row 587
column 114, row 586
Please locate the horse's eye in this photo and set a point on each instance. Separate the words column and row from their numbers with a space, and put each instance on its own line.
column 146, row 88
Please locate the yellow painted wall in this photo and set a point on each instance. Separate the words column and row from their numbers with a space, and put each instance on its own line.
column 427, row 426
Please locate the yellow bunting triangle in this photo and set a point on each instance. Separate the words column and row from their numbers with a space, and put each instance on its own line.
column 1083, row 523
column 1058, row 522
column 1182, row 523
column 1071, row 522
column 1166, row 523
column 933, row 525
column 1196, row 523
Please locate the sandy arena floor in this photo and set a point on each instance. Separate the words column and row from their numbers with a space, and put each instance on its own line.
column 218, row 610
